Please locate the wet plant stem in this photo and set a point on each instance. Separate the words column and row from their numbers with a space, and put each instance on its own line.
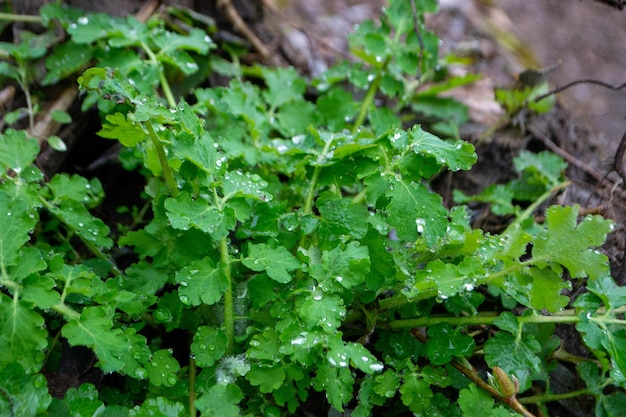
column 229, row 310
column 488, row 318
column 369, row 98
column 167, row 171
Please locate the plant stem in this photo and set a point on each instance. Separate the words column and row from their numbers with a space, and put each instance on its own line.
column 20, row 18
column 369, row 98
column 165, row 85
column 167, row 172
column 488, row 318
column 530, row 209
column 546, row 398
column 481, row 319
column 192, row 387
column 229, row 311
column 66, row 311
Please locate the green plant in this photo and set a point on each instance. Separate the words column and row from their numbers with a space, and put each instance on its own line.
column 297, row 247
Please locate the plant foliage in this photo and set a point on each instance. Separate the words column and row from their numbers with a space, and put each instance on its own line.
column 295, row 243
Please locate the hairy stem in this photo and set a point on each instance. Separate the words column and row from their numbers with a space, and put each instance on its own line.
column 167, row 172
column 229, row 310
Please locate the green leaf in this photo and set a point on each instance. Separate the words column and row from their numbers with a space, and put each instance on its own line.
column 199, row 150
column 544, row 163
column 74, row 187
column 458, row 155
column 475, row 402
column 612, row 295
column 284, row 85
column 40, row 291
column 17, row 150
column 415, row 211
column 368, row 398
column 83, row 401
column 22, row 394
column 341, row 218
column 265, row 346
column 185, row 212
column 546, row 290
column 158, row 406
column 267, row 377
column 324, row 310
column 118, row 126
column 201, row 282
column 162, row 368
column 88, row 227
column 66, row 59
column 22, row 335
column 276, row 260
column 57, row 143
column 16, row 222
column 515, row 357
column 347, row 265
column 387, row 384
column 237, row 183
column 337, row 382
column 599, row 337
column 415, row 393
column 94, row 329
column 220, row 400
column 209, row 345
column 336, row 107
column 567, row 242
column 444, row 343
column 92, row 27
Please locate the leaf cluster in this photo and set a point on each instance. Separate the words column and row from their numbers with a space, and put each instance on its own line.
column 296, row 243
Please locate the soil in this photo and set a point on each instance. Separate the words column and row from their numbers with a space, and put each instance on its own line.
column 586, row 38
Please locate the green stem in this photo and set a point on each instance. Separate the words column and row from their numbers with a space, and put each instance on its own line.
column 229, row 310
column 488, row 318
column 167, row 172
column 20, row 18
column 308, row 204
column 165, row 85
column 369, row 98
column 167, row 91
column 546, row 398
column 66, row 311
column 531, row 209
column 481, row 319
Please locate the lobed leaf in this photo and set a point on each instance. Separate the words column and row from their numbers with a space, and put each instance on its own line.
column 566, row 242
column 21, row 331
column 201, row 282
column 273, row 258
column 94, row 329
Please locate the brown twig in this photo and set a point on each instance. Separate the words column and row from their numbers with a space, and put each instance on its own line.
column 238, row 23
column 566, row 155
column 619, row 156
column 583, row 81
